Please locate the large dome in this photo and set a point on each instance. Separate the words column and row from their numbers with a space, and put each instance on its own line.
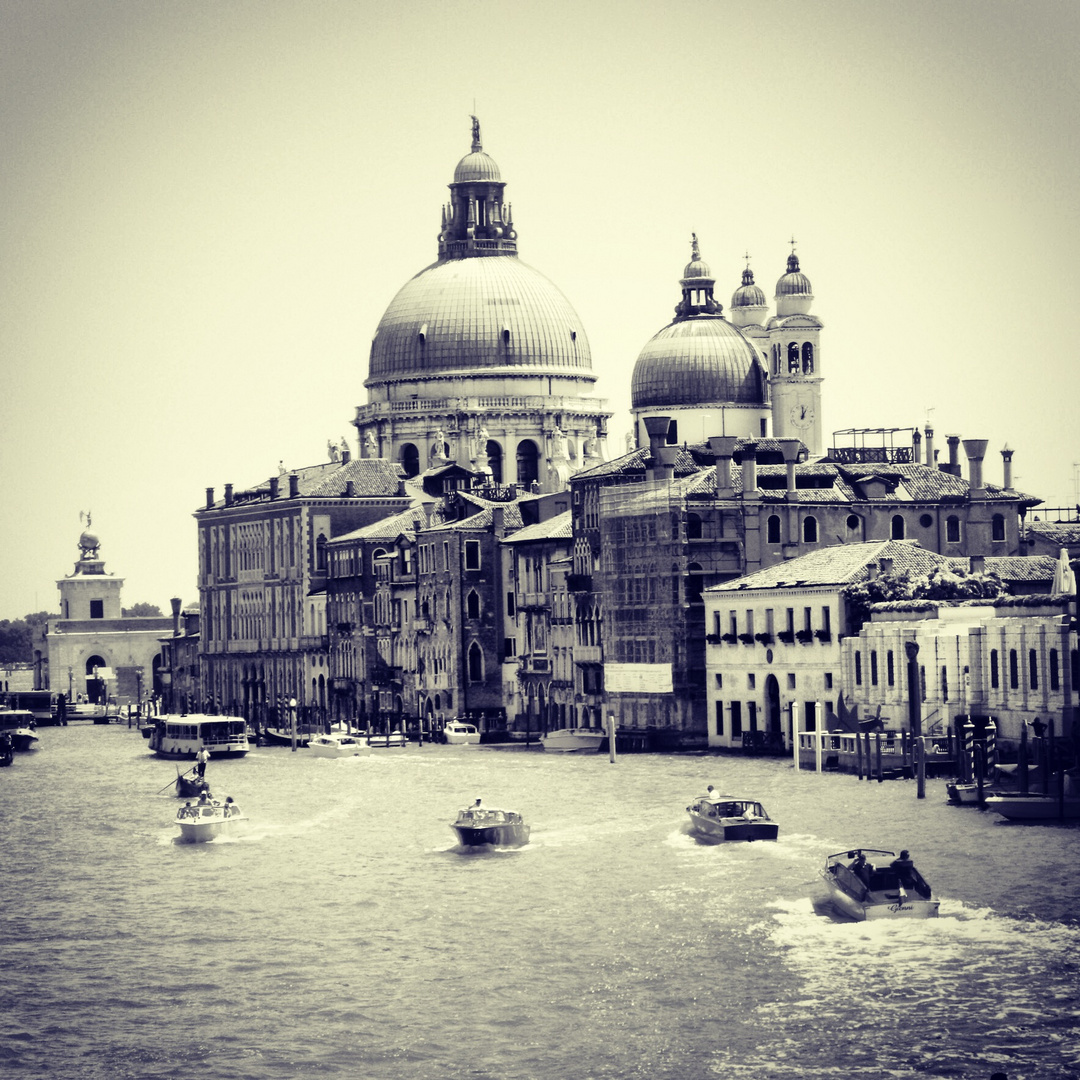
column 477, row 313
column 701, row 360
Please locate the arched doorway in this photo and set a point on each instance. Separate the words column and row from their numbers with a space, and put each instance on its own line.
column 495, row 460
column 772, row 708
column 410, row 459
column 95, row 687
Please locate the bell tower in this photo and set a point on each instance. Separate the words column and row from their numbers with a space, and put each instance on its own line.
column 794, row 337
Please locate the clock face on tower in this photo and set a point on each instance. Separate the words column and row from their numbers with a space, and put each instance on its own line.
column 802, row 415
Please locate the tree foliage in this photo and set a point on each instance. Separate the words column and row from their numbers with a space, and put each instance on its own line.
column 940, row 584
column 17, row 637
column 140, row 610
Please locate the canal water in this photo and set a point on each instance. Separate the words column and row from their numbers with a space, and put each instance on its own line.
column 344, row 934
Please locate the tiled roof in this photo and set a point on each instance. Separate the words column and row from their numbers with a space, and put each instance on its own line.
column 1063, row 533
column 387, row 528
column 481, row 521
column 371, row 477
column 1027, row 568
column 560, row 527
column 837, row 565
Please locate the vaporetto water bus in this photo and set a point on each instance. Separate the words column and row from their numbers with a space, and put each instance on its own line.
column 185, row 736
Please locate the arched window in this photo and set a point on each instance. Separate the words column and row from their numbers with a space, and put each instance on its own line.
column 528, row 462
column 472, row 605
column 1033, row 669
column 693, row 527
column 320, row 554
column 809, row 530
column 858, row 668
column 377, row 554
column 1014, row 670
column 476, row 663
column 772, row 530
column 808, row 358
column 854, row 523
column 997, row 527
column 952, row 530
column 873, row 667
column 1055, row 673
column 793, row 364
column 995, row 674
column 409, row 457
column 897, row 527
column 495, row 460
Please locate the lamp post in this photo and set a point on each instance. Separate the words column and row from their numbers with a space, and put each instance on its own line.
column 292, row 721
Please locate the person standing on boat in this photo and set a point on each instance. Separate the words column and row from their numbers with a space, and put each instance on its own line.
column 201, row 758
column 712, row 794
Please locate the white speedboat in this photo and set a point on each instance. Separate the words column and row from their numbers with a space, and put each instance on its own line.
column 459, row 733
column 863, row 890
column 1029, row 807
column 21, row 728
column 478, row 826
column 207, row 818
column 185, row 736
column 335, row 746
column 721, row 817
column 565, row 740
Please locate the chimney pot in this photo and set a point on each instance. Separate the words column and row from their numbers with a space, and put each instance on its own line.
column 294, row 485
column 273, row 487
column 350, row 489
column 976, row 451
column 209, row 498
column 228, row 495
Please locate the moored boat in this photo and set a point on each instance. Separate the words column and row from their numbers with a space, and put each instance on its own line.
column 862, row 890
column 479, row 825
column 335, row 746
column 722, row 817
column 185, row 736
column 461, row 733
column 1017, row 807
column 21, row 728
column 203, row 820
column 567, row 740
column 390, row 738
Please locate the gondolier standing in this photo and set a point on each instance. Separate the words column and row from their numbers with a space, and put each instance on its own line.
column 201, row 758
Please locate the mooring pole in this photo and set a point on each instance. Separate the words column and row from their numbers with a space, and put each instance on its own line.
column 915, row 717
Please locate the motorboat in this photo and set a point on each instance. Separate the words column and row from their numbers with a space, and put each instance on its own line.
column 460, row 733
column 567, row 740
column 479, row 825
column 389, row 738
column 1017, row 807
column 722, row 817
column 190, row 787
column 185, row 736
column 21, row 727
column 863, row 890
column 204, row 820
column 335, row 746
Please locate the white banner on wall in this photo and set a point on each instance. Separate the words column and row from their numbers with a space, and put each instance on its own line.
column 637, row 678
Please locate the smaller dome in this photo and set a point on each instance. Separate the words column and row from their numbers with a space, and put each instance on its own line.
column 477, row 166
column 794, row 282
column 748, row 294
column 697, row 269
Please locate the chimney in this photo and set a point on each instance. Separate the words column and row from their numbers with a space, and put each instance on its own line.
column 294, row 485
column 885, row 566
column 791, row 449
column 916, row 446
column 931, row 461
column 976, row 451
column 663, row 456
column 228, row 495
column 346, row 455
column 954, row 454
column 1006, row 467
column 723, row 446
column 175, row 604
column 978, row 564
column 749, row 472
column 209, row 498
column 498, row 521
column 350, row 489
column 273, row 487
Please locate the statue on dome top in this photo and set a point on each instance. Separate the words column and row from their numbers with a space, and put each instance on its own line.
column 476, row 143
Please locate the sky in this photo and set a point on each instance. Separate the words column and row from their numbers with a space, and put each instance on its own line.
column 205, row 208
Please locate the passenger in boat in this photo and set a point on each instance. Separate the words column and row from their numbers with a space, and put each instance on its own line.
column 909, row 877
column 201, row 758
column 711, row 793
column 861, row 868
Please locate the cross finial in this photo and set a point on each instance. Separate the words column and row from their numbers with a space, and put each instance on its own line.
column 793, row 243
column 747, row 257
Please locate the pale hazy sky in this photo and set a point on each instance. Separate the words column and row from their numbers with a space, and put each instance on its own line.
column 205, row 208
